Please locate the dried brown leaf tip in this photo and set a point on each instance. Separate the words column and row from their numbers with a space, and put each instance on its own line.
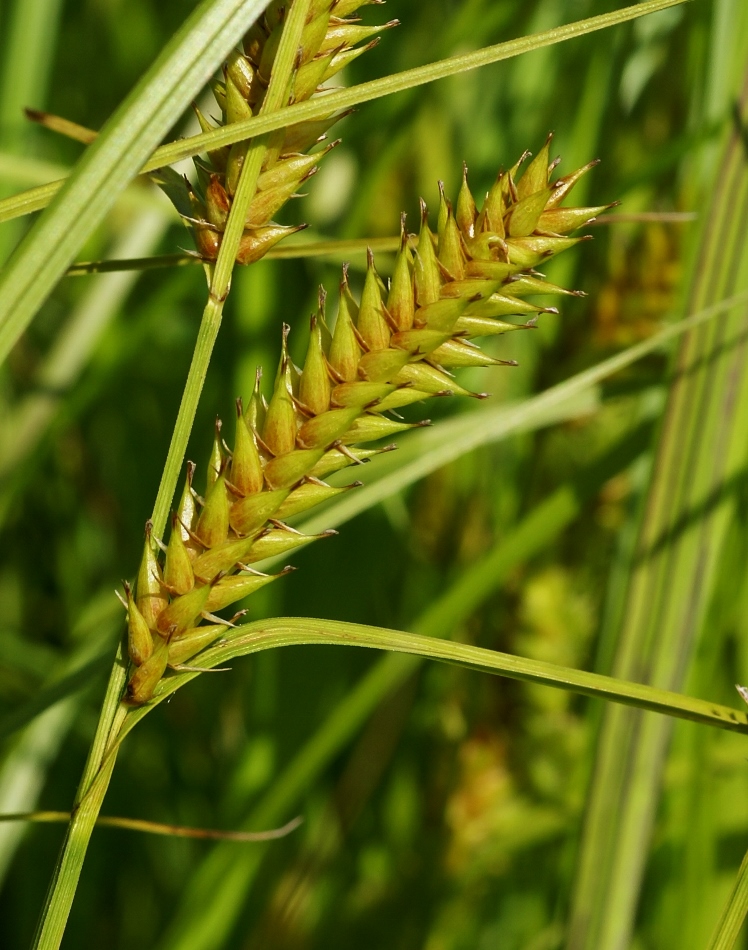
column 394, row 345
column 330, row 40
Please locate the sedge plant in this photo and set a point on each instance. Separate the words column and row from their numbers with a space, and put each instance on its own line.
column 467, row 273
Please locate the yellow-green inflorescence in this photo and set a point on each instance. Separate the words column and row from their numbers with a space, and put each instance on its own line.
column 394, row 346
column 331, row 39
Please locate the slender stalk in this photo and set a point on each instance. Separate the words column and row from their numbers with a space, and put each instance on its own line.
column 341, row 249
column 221, row 277
column 103, row 752
column 159, row 827
column 734, row 913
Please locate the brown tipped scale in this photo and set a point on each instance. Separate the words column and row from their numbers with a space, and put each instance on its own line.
column 392, row 347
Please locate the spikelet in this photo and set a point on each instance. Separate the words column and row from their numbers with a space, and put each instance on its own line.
column 394, row 346
column 329, row 41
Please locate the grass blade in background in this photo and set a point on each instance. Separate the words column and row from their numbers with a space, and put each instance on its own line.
column 128, row 138
column 219, row 888
column 701, row 448
column 30, row 39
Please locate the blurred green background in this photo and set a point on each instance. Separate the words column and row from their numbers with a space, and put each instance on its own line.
column 449, row 817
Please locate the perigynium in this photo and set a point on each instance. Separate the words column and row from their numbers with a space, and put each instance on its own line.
column 394, row 346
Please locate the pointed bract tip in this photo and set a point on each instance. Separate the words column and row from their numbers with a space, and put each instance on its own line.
column 424, row 211
column 328, row 533
column 369, row 257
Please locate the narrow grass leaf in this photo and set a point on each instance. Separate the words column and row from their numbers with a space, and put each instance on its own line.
column 107, row 166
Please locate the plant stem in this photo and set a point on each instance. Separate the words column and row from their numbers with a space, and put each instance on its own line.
column 103, row 752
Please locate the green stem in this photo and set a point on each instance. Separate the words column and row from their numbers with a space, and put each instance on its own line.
column 221, row 279
column 103, row 752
